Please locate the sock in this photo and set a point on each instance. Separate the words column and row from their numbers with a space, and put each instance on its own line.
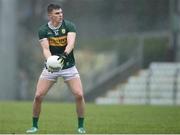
column 35, row 122
column 80, row 122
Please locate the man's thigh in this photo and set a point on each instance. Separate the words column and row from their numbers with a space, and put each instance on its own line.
column 43, row 86
column 75, row 85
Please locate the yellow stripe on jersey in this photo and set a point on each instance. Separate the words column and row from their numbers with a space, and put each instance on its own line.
column 58, row 41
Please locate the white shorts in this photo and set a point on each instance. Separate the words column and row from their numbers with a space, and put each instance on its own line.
column 67, row 74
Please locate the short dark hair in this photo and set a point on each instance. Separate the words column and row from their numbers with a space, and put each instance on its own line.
column 51, row 7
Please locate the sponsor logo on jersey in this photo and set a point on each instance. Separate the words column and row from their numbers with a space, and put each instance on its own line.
column 58, row 41
column 56, row 32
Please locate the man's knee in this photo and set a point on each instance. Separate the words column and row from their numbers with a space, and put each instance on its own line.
column 38, row 98
column 79, row 95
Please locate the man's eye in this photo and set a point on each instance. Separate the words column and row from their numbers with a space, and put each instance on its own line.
column 57, row 13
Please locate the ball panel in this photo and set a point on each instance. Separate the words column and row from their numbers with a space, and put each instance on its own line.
column 53, row 62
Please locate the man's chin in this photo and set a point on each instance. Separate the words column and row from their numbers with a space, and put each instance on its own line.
column 60, row 21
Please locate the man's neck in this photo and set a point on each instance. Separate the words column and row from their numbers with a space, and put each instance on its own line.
column 54, row 25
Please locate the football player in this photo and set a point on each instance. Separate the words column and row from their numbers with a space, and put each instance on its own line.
column 57, row 37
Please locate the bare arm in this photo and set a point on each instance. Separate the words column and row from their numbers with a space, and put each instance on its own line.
column 45, row 47
column 71, row 38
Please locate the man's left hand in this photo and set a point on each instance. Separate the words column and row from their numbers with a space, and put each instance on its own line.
column 64, row 55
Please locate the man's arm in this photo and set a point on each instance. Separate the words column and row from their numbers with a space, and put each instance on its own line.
column 45, row 46
column 71, row 38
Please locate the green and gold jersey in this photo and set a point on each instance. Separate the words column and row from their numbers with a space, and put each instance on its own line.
column 58, row 40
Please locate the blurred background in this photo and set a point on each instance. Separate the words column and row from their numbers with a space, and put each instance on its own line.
column 127, row 52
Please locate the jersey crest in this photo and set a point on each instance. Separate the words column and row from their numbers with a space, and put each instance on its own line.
column 63, row 31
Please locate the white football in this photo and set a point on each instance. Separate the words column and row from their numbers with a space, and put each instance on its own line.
column 54, row 62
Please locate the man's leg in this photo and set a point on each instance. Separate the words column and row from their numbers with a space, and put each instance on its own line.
column 76, row 87
column 42, row 88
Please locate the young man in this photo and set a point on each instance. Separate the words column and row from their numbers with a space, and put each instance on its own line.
column 57, row 37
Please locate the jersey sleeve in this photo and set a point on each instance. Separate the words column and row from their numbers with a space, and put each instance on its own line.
column 70, row 27
column 42, row 34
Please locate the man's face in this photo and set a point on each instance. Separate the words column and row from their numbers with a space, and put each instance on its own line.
column 56, row 15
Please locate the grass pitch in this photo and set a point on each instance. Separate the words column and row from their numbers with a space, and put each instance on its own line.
column 60, row 118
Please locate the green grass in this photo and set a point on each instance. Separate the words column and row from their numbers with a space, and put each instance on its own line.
column 60, row 118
